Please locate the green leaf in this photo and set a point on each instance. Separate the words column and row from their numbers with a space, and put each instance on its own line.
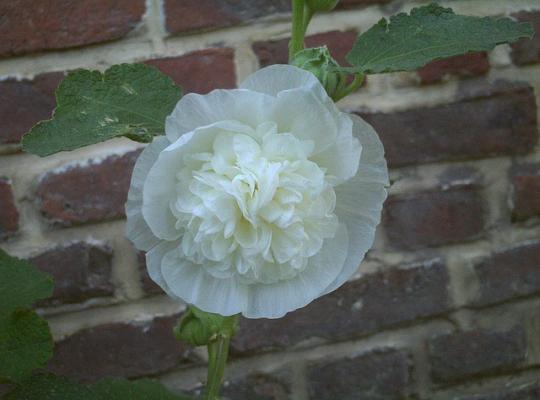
column 21, row 284
column 431, row 32
column 50, row 387
column 25, row 340
column 25, row 344
column 129, row 100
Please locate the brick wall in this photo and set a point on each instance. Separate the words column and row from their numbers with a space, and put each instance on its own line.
column 446, row 304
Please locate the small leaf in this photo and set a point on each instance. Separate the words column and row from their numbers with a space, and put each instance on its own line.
column 21, row 284
column 50, row 387
column 25, row 344
column 129, row 100
column 431, row 32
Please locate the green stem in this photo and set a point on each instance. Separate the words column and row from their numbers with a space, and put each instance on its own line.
column 355, row 84
column 298, row 30
column 218, row 351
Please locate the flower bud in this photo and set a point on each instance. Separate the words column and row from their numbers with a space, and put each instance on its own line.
column 321, row 5
column 320, row 63
column 199, row 328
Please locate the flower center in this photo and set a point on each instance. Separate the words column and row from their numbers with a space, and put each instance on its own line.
column 254, row 206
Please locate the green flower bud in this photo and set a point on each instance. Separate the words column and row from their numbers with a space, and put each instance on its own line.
column 320, row 63
column 199, row 328
column 321, row 5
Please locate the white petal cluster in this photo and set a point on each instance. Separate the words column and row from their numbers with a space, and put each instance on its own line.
column 260, row 199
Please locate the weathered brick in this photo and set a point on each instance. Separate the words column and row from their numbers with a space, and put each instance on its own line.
column 120, row 349
column 29, row 26
column 529, row 391
column 509, row 274
column 464, row 355
column 527, row 51
column 471, row 64
column 433, row 218
column 367, row 305
column 148, row 286
column 500, row 120
column 91, row 192
column 200, row 71
column 277, row 51
column 9, row 216
column 525, row 191
column 81, row 271
column 24, row 103
column 380, row 374
column 259, row 387
column 196, row 15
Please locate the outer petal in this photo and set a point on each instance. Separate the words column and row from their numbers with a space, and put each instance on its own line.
column 275, row 300
column 302, row 113
column 359, row 201
column 195, row 110
column 154, row 261
column 137, row 229
column 277, row 78
column 194, row 285
column 342, row 157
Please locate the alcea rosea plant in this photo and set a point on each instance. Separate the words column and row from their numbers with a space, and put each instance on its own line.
column 255, row 200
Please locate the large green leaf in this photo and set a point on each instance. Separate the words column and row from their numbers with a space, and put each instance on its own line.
column 431, row 32
column 25, row 344
column 25, row 340
column 50, row 387
column 21, row 284
column 130, row 100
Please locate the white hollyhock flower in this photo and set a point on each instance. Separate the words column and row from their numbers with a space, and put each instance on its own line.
column 258, row 200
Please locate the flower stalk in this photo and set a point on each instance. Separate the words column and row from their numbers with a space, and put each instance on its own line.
column 218, row 352
column 299, row 27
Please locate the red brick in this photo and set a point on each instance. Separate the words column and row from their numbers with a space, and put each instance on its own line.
column 148, row 286
column 92, row 192
column 121, row 350
column 370, row 304
column 509, row 274
column 24, row 103
column 500, row 120
column 471, row 64
column 380, row 374
column 464, row 355
column 277, row 51
column 81, row 271
column 527, row 51
column 29, row 26
column 434, row 218
column 525, row 191
column 196, row 15
column 9, row 216
column 200, row 71
column 259, row 387
column 530, row 391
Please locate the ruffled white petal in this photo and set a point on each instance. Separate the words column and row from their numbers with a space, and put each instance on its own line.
column 341, row 158
column 194, row 285
column 195, row 110
column 280, row 77
column 303, row 114
column 359, row 201
column 154, row 262
column 137, row 229
column 275, row 300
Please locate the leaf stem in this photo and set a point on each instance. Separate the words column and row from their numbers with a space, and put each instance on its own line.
column 347, row 90
column 298, row 28
column 218, row 351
